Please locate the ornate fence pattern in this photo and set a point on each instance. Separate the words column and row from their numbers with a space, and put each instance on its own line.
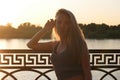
column 25, row 60
column 14, row 62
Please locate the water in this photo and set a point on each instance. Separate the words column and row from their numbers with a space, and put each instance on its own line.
column 103, row 43
column 92, row 44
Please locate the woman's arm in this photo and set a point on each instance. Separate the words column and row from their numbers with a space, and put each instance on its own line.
column 86, row 63
column 34, row 42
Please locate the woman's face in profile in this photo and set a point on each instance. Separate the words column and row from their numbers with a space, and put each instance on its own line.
column 62, row 22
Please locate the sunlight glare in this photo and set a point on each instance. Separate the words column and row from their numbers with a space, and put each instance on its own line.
column 39, row 11
column 2, row 44
column 10, row 10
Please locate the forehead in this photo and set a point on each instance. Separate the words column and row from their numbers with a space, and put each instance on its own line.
column 62, row 16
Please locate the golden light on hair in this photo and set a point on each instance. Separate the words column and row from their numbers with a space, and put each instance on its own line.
column 55, row 36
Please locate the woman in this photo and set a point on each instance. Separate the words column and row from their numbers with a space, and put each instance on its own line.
column 70, row 56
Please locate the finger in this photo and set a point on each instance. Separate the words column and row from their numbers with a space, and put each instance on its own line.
column 48, row 21
column 51, row 20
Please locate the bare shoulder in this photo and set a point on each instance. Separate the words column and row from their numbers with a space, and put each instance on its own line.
column 44, row 45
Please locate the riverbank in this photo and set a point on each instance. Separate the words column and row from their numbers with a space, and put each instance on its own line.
column 91, row 31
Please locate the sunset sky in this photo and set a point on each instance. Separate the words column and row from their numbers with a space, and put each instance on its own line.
column 39, row 11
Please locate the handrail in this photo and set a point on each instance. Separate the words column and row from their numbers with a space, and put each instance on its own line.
column 43, row 51
column 29, row 60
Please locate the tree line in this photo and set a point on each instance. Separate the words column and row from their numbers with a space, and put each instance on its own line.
column 92, row 30
column 100, row 31
column 24, row 30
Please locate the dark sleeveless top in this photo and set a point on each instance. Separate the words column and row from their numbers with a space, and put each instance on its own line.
column 65, row 64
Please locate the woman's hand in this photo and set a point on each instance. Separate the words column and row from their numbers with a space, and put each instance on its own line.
column 34, row 42
column 49, row 24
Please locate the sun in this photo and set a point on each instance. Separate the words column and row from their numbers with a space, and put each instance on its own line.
column 9, row 11
column 6, row 18
column 4, row 21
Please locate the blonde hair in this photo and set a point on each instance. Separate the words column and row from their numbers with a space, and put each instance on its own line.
column 74, row 26
column 74, row 38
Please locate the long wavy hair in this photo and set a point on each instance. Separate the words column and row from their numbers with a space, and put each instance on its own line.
column 74, row 37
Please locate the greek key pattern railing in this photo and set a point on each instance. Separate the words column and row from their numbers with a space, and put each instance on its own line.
column 12, row 62
column 24, row 60
column 105, row 58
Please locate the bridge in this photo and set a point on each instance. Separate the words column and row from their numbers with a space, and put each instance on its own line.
column 24, row 64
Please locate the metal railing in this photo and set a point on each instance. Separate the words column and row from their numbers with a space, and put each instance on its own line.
column 36, row 65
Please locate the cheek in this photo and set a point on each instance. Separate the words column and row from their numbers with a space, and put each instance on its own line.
column 62, row 28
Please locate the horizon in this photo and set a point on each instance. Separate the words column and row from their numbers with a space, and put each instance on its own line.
column 9, row 24
column 38, row 12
